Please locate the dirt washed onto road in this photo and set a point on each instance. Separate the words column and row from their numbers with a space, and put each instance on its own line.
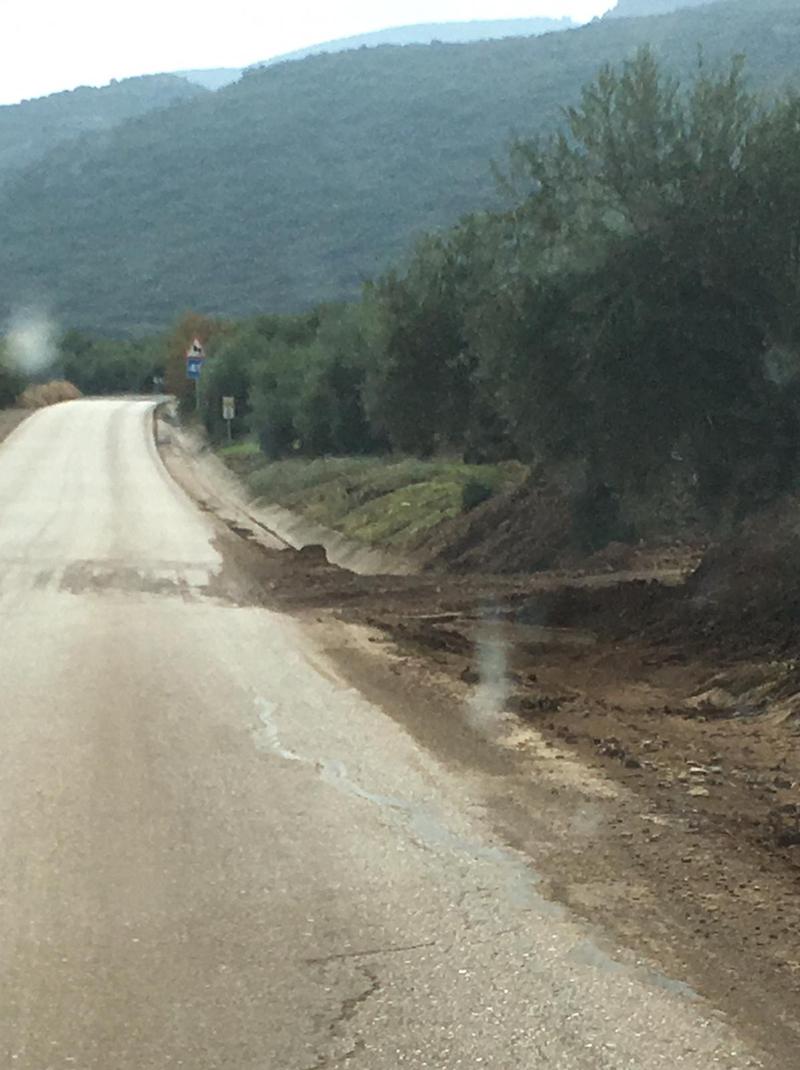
column 673, row 769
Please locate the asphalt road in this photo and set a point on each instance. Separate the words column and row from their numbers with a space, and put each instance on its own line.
column 216, row 854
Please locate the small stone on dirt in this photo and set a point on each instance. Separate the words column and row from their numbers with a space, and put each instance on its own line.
column 716, row 698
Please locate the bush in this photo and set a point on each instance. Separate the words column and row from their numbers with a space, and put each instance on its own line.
column 41, row 395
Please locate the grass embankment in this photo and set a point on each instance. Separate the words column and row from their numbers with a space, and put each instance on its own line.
column 378, row 501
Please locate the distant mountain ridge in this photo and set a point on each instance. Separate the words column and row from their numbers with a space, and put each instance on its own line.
column 32, row 128
column 426, row 33
column 643, row 8
column 302, row 180
column 421, row 34
column 212, row 77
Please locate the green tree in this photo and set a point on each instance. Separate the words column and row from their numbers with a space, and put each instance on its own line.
column 640, row 331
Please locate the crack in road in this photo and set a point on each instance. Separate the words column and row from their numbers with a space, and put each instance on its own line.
column 348, row 1010
column 369, row 952
column 427, row 830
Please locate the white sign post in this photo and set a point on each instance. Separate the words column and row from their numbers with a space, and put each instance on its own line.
column 228, row 414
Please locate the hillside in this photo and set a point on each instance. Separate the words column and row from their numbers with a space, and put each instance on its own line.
column 34, row 127
column 298, row 182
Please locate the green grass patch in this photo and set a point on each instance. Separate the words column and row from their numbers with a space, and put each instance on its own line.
column 241, row 449
column 402, row 517
column 377, row 501
column 244, row 457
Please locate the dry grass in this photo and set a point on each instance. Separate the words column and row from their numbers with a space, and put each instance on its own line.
column 41, row 395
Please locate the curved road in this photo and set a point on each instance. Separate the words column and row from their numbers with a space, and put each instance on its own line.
column 215, row 854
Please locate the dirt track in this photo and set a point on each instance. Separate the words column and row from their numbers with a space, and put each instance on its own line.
column 687, row 847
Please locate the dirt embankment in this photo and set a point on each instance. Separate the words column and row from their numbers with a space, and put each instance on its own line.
column 680, row 719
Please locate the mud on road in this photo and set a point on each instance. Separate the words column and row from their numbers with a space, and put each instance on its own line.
column 654, row 780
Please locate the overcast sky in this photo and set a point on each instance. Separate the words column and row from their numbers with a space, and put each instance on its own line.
column 49, row 45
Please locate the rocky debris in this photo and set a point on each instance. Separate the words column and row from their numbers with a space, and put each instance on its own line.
column 612, row 748
column 785, row 824
column 653, row 745
column 614, row 557
column 526, row 705
column 313, row 554
column 714, row 701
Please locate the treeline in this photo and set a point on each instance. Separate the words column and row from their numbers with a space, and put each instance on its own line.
column 632, row 316
column 96, row 365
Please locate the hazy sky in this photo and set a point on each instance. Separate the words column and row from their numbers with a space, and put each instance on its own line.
column 49, row 45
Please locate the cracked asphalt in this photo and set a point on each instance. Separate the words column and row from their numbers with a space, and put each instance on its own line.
column 217, row 854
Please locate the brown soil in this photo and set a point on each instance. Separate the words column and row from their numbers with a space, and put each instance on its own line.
column 697, row 861
column 520, row 531
column 692, row 855
column 533, row 527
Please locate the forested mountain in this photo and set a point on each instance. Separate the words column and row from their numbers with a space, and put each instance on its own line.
column 34, row 127
column 298, row 182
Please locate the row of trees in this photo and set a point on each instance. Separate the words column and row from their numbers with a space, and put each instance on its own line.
column 110, row 366
column 635, row 310
column 638, row 306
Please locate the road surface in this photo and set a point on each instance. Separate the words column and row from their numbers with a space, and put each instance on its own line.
column 216, row 854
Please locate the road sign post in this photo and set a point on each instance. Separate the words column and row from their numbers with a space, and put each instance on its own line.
column 229, row 414
column 195, row 357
